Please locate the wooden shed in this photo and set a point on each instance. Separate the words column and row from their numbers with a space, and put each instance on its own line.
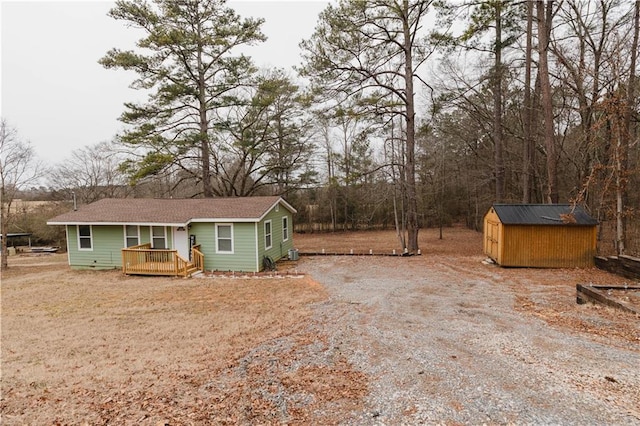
column 540, row 235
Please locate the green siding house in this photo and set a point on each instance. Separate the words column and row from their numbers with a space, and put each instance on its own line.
column 231, row 234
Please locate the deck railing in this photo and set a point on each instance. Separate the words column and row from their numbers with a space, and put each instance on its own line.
column 143, row 260
column 197, row 257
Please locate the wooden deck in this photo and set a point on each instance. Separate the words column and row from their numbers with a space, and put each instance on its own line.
column 143, row 260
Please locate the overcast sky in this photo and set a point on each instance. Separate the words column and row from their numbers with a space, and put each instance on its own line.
column 59, row 98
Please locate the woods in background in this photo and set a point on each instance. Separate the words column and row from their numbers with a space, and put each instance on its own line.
column 403, row 114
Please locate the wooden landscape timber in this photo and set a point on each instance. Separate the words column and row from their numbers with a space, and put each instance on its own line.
column 626, row 266
column 597, row 294
column 324, row 252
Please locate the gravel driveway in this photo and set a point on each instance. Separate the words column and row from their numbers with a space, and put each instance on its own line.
column 441, row 342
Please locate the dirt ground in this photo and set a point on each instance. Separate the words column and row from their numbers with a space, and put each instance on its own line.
column 459, row 245
column 96, row 347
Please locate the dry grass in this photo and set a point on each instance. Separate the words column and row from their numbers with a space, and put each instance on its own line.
column 455, row 240
column 100, row 346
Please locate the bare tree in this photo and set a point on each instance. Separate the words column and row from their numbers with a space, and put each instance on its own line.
column 626, row 137
column 585, row 46
column 545, row 15
column 529, row 116
column 265, row 142
column 373, row 49
column 18, row 168
column 394, row 152
column 91, row 173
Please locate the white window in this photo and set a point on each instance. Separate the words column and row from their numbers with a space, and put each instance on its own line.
column 159, row 237
column 131, row 235
column 285, row 228
column 224, row 238
column 267, row 235
column 85, row 237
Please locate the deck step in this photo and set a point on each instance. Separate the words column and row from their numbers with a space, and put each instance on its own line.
column 191, row 269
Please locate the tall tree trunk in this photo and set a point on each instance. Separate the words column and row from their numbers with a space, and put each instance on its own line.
column 346, row 148
column 545, row 15
column 625, row 139
column 397, row 161
column 529, row 137
column 497, row 107
column 4, row 228
column 207, row 188
column 412, row 207
column 620, row 157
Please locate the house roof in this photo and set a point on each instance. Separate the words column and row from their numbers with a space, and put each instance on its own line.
column 543, row 214
column 170, row 211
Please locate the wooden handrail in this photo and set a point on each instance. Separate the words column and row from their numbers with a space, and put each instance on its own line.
column 197, row 258
column 144, row 260
column 181, row 265
column 144, row 246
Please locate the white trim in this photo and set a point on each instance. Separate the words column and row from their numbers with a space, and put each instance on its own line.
column 118, row 223
column 66, row 235
column 80, row 248
column 164, row 231
column 230, row 225
column 288, row 206
column 170, row 224
column 124, row 227
column 257, row 241
column 224, row 219
column 287, row 228
column 280, row 200
column 270, row 246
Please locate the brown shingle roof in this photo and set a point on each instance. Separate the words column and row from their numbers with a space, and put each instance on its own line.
column 170, row 210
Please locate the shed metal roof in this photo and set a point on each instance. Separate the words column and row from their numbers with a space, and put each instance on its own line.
column 543, row 214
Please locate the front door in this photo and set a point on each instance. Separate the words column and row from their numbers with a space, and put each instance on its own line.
column 181, row 241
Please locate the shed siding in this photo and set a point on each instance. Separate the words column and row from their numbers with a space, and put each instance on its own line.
column 548, row 246
column 279, row 248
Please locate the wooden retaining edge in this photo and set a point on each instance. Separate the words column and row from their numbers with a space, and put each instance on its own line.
column 626, row 266
column 261, row 274
column 592, row 293
column 326, row 253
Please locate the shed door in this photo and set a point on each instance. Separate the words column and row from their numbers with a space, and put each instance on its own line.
column 491, row 239
column 181, row 241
